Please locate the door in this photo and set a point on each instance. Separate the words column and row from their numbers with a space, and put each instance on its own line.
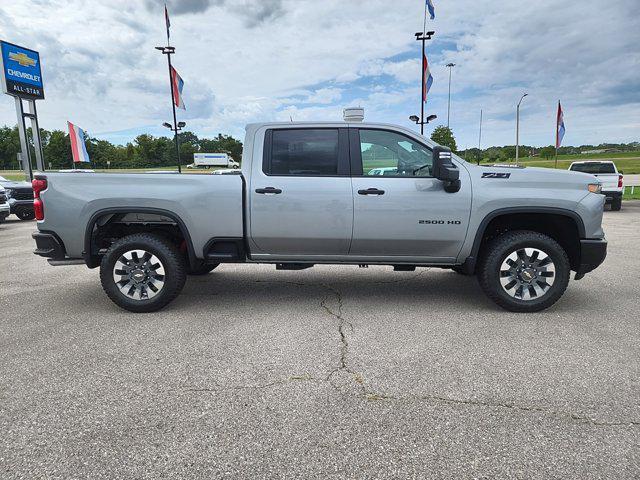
column 300, row 198
column 399, row 208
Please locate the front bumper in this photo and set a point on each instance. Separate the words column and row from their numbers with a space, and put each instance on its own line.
column 48, row 245
column 5, row 209
column 592, row 254
column 20, row 205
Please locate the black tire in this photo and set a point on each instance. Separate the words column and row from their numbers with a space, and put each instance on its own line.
column 202, row 269
column 498, row 251
column 3, row 218
column 170, row 260
column 616, row 204
column 25, row 214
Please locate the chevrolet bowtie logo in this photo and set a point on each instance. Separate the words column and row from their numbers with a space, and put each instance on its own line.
column 23, row 59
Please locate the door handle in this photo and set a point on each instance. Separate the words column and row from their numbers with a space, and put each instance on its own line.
column 371, row 191
column 268, row 190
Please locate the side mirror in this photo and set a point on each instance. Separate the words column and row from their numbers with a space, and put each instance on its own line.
column 445, row 170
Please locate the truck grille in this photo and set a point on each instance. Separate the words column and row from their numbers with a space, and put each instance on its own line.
column 22, row 194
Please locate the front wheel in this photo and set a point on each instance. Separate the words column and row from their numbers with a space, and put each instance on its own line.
column 142, row 272
column 25, row 214
column 524, row 271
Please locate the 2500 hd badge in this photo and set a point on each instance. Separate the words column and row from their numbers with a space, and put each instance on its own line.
column 439, row 222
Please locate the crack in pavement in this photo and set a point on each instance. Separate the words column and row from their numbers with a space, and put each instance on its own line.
column 366, row 393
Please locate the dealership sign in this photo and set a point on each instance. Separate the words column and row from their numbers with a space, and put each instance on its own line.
column 21, row 72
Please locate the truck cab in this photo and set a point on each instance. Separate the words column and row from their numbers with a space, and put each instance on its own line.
column 608, row 175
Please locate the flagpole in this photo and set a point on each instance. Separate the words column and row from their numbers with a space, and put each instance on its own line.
column 556, row 162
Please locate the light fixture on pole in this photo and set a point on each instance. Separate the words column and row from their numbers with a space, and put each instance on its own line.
column 423, row 37
column 415, row 119
column 518, row 126
column 450, row 65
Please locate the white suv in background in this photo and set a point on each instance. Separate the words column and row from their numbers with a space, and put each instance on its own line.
column 609, row 176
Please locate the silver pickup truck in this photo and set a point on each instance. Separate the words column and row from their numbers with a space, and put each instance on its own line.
column 328, row 193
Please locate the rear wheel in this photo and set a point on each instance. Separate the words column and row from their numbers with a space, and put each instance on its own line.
column 142, row 272
column 616, row 204
column 524, row 271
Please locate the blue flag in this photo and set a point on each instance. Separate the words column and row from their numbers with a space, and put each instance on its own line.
column 432, row 11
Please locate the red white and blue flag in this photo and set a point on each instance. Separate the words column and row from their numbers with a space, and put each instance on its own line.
column 177, row 84
column 78, row 147
column 432, row 11
column 428, row 79
column 559, row 126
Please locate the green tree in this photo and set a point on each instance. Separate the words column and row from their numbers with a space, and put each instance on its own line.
column 444, row 136
column 548, row 152
column 57, row 150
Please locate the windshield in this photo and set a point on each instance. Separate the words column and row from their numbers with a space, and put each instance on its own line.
column 593, row 168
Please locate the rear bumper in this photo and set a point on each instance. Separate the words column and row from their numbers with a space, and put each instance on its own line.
column 612, row 195
column 48, row 245
column 592, row 254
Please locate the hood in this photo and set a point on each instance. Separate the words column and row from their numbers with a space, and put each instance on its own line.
column 12, row 184
column 539, row 174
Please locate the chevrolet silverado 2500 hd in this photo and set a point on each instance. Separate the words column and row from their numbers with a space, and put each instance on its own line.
column 312, row 193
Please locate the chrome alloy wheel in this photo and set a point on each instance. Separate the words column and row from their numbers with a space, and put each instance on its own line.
column 139, row 274
column 527, row 274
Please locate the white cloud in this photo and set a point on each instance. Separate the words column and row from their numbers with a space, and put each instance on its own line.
column 250, row 60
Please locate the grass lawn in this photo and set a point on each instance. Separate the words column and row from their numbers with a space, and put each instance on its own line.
column 629, row 196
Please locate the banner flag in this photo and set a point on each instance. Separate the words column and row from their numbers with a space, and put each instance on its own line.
column 78, row 147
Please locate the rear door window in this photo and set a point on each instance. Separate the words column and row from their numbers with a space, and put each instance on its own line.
column 304, row 152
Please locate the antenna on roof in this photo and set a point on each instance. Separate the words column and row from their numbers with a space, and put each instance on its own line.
column 291, row 118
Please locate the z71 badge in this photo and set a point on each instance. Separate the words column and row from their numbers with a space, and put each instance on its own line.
column 495, row 175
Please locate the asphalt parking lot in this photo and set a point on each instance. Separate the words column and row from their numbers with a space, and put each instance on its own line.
column 331, row 372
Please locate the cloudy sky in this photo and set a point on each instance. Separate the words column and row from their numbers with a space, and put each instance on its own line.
column 253, row 60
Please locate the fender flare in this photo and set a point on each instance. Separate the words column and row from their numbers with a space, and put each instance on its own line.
column 89, row 257
column 470, row 262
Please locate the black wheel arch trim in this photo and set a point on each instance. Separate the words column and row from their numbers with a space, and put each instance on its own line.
column 89, row 256
column 470, row 262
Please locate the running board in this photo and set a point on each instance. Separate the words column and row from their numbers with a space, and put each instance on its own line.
column 293, row 266
column 71, row 261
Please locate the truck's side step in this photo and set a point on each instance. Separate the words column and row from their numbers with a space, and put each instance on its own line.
column 404, row 268
column 293, row 266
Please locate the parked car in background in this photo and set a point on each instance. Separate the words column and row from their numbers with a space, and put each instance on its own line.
column 20, row 198
column 77, row 170
column 4, row 205
column 609, row 176
column 227, row 171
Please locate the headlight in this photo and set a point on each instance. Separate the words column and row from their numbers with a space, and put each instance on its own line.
column 595, row 187
column 7, row 192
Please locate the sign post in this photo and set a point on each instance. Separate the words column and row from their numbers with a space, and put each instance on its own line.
column 21, row 77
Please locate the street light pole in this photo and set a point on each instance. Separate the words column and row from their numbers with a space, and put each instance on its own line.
column 480, row 138
column 423, row 37
column 168, row 51
column 450, row 65
column 518, row 126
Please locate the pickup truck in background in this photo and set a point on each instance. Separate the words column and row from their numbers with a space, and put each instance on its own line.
column 608, row 175
column 19, row 197
column 305, row 196
column 5, row 210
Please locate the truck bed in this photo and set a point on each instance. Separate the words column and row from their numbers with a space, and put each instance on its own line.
column 208, row 206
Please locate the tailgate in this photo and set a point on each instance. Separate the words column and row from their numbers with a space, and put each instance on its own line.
column 609, row 180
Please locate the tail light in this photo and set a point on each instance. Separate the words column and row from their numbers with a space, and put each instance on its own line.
column 620, row 177
column 38, row 185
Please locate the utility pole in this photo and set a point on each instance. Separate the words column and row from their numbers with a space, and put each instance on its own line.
column 423, row 37
column 480, row 138
column 450, row 65
column 518, row 126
